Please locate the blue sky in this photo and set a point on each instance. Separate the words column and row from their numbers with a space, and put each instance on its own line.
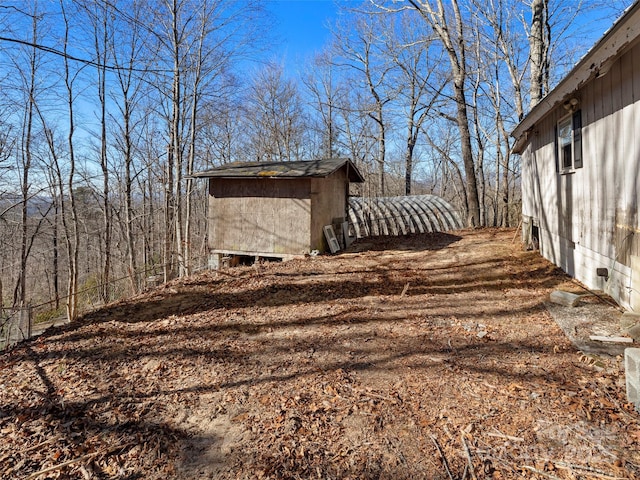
column 302, row 27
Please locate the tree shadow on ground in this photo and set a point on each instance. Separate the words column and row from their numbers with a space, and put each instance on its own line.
column 412, row 242
column 172, row 347
column 123, row 415
column 273, row 290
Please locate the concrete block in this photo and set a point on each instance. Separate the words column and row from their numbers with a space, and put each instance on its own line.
column 564, row 298
column 634, row 332
column 629, row 320
column 215, row 261
column 632, row 375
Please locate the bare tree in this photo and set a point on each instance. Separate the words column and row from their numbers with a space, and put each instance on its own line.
column 451, row 178
column 222, row 130
column 72, row 232
column 539, row 40
column 324, row 89
column 450, row 29
column 99, row 14
column 209, row 61
column 6, row 149
column 128, row 56
column 359, row 47
column 203, row 39
column 358, row 133
column 158, row 80
column 25, row 154
column 420, row 82
column 507, row 46
column 276, row 115
column 504, row 49
column 475, row 85
column 194, row 47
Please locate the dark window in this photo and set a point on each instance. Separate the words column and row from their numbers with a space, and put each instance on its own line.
column 569, row 142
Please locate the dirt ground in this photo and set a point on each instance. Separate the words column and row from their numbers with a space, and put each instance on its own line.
column 430, row 356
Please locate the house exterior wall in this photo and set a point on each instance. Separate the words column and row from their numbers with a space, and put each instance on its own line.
column 260, row 216
column 328, row 201
column 588, row 218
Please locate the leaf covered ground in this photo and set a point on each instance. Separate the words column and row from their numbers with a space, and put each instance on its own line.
column 430, row 356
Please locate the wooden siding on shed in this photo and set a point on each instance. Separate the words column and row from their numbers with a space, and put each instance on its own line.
column 260, row 215
column 328, row 201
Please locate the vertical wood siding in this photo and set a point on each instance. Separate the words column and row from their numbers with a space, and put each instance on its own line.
column 328, row 202
column 260, row 215
column 271, row 215
column 589, row 218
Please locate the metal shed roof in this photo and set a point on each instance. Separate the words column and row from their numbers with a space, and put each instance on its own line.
column 401, row 215
column 318, row 168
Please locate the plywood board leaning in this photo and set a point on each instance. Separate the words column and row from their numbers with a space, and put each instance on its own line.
column 330, row 235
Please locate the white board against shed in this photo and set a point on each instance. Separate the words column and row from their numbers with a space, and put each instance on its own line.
column 330, row 235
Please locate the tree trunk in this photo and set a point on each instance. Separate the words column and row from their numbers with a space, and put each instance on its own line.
column 189, row 180
column 408, row 165
column 19, row 294
column 473, row 214
column 56, row 267
column 129, row 80
column 128, row 200
column 173, row 214
column 72, row 231
column 479, row 162
column 197, row 77
column 382, row 151
column 101, row 45
column 539, row 47
column 504, row 182
column 457, row 60
column 168, row 216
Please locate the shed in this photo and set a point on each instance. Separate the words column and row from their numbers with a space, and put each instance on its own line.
column 276, row 209
column 580, row 149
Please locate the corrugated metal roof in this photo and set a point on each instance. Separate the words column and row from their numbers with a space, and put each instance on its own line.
column 401, row 215
column 321, row 168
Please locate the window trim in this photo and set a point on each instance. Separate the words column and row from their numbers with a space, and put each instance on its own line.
column 575, row 121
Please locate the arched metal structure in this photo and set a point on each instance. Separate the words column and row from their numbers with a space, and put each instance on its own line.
column 401, row 215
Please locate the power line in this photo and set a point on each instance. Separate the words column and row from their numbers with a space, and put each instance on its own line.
column 84, row 61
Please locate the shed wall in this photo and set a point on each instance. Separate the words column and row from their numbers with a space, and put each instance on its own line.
column 260, row 216
column 328, row 201
column 588, row 219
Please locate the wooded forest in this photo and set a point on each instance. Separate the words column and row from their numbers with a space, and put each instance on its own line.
column 108, row 106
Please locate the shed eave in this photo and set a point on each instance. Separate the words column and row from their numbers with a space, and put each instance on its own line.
column 321, row 168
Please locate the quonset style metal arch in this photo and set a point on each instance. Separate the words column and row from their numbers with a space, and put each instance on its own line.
column 401, row 215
